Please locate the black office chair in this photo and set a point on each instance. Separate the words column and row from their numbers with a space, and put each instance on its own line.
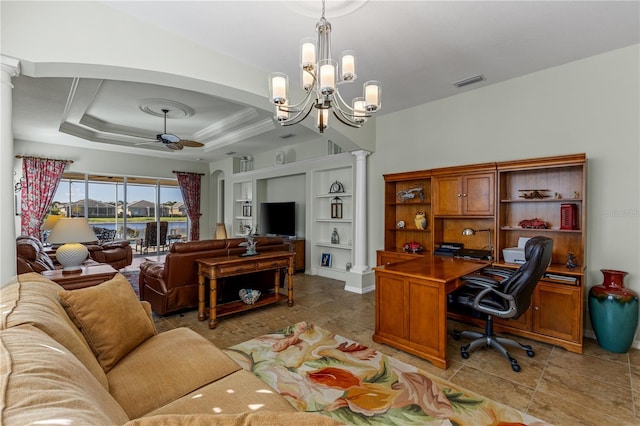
column 506, row 298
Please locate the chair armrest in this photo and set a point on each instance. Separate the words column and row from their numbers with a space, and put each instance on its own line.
column 500, row 313
column 152, row 269
column 93, row 247
column 116, row 244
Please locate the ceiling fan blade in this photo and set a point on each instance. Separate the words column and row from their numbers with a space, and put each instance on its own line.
column 174, row 146
column 193, row 144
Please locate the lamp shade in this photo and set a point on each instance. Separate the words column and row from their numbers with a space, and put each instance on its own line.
column 50, row 222
column 71, row 232
column 221, row 232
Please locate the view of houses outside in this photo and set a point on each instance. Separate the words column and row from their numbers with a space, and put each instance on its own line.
column 101, row 200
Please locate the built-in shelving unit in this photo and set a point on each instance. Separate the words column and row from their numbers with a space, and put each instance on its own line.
column 326, row 186
column 243, row 210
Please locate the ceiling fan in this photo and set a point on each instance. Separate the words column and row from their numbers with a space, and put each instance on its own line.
column 173, row 142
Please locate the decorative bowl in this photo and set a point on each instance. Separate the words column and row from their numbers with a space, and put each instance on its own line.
column 249, row 296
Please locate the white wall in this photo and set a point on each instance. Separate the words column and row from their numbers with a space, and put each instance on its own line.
column 590, row 106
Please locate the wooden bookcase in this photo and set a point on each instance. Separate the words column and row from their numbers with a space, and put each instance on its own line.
column 497, row 196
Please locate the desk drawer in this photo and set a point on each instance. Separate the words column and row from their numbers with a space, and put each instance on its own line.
column 273, row 263
column 235, row 269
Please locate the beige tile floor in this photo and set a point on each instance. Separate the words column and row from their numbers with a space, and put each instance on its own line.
column 563, row 388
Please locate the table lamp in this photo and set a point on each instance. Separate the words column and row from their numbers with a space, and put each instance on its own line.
column 48, row 225
column 221, row 232
column 471, row 231
column 71, row 231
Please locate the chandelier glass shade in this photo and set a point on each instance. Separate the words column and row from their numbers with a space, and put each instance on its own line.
column 321, row 77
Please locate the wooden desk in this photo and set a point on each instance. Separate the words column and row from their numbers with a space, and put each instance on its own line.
column 228, row 266
column 411, row 304
column 86, row 277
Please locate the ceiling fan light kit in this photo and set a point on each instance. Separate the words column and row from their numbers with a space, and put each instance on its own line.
column 173, row 142
column 321, row 76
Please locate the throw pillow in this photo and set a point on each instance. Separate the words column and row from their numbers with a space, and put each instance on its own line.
column 110, row 317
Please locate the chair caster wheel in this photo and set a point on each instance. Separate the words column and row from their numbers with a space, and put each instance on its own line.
column 464, row 354
column 514, row 365
column 456, row 335
column 530, row 354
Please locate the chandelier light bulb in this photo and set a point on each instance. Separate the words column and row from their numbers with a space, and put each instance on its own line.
column 327, row 76
column 372, row 95
column 278, row 82
column 308, row 54
column 323, row 119
column 359, row 110
column 348, row 66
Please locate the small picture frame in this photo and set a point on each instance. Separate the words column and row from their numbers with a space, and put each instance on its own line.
column 326, row 260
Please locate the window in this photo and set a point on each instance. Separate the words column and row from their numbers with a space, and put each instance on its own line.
column 123, row 204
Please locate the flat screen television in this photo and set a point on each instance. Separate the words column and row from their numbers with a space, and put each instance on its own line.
column 278, row 219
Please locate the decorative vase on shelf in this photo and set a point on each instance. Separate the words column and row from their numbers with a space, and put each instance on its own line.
column 613, row 310
column 420, row 220
column 335, row 238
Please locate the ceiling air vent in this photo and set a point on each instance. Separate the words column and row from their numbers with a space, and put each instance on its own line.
column 287, row 136
column 230, row 153
column 468, row 81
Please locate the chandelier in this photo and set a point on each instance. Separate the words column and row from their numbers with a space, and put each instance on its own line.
column 321, row 76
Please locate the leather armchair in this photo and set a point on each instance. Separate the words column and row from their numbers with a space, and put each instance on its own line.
column 173, row 285
column 118, row 254
column 31, row 256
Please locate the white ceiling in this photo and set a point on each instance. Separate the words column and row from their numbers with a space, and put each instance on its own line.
column 417, row 49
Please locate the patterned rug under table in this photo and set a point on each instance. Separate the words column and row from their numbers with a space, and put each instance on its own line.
column 318, row 371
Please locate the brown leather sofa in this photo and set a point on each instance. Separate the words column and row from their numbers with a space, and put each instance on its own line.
column 31, row 255
column 173, row 285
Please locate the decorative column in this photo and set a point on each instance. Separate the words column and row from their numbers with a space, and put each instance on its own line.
column 10, row 67
column 360, row 248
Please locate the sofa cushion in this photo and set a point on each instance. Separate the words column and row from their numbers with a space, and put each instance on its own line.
column 260, row 418
column 187, row 361
column 33, row 299
column 41, row 382
column 110, row 317
column 236, row 393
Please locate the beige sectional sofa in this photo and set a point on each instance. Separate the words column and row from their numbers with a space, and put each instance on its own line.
column 93, row 357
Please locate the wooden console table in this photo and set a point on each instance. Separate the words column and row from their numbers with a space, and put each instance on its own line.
column 86, row 277
column 210, row 269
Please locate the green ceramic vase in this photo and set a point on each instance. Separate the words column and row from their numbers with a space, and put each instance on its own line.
column 614, row 312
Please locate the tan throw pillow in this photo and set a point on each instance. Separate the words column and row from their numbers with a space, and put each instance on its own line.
column 110, row 317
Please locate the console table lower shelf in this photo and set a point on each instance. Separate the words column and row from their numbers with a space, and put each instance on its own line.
column 214, row 268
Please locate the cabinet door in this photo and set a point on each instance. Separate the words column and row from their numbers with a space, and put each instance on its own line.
column 391, row 307
column 478, row 198
column 447, row 195
column 557, row 311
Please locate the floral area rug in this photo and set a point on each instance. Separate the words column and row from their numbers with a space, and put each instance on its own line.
column 318, row 371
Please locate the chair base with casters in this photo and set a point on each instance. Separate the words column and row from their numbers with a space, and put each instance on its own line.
column 489, row 339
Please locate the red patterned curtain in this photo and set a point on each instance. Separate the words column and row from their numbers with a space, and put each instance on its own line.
column 190, row 188
column 40, row 179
